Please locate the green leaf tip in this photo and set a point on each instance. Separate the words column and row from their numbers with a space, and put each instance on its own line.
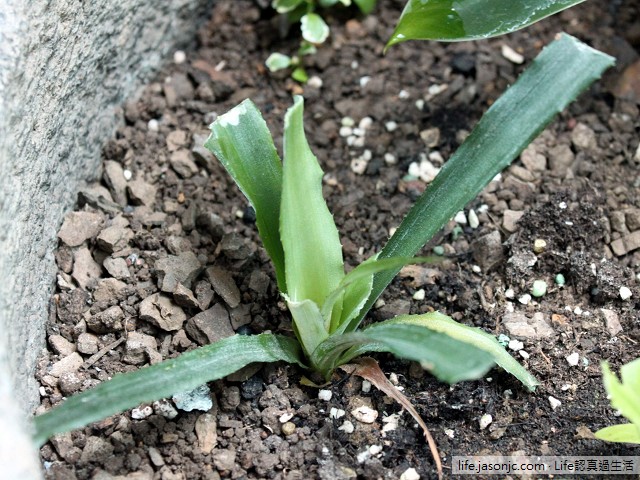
column 312, row 249
column 241, row 141
column 164, row 379
column 625, row 397
column 451, row 21
column 471, row 337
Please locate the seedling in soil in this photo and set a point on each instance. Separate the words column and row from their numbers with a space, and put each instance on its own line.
column 625, row 397
column 314, row 29
column 328, row 305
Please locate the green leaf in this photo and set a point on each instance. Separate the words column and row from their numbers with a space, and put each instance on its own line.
column 314, row 29
column 471, row 336
column 454, row 20
column 624, row 396
column 562, row 70
column 277, row 61
column 164, row 379
column 313, row 254
column 327, row 3
column 243, row 144
column 366, row 6
column 625, row 433
column 284, row 6
column 300, row 75
column 359, row 280
column 447, row 358
column 308, row 323
column 307, row 48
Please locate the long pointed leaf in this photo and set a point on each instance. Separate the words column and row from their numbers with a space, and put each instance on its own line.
column 164, row 379
column 447, row 358
column 472, row 336
column 448, row 20
column 243, row 144
column 564, row 69
column 313, row 254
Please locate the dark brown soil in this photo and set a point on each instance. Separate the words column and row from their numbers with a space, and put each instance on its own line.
column 576, row 188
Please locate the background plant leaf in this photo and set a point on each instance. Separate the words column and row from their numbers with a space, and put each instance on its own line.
column 313, row 252
column 314, row 28
column 366, row 6
column 284, row 6
column 278, row 61
column 560, row 72
column 164, row 379
column 625, row 395
column 243, row 144
column 455, row 20
column 624, row 433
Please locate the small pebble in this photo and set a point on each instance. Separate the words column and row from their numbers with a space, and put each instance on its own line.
column 474, row 221
column 403, row 94
column 420, row 104
column 391, row 126
column 573, row 359
column 325, row 395
column 516, row 345
column 347, row 122
column 288, row 428
column 511, row 55
column 509, row 293
column 359, row 165
column 554, row 402
column 285, row 417
column 347, row 427
column 524, row 354
column 127, row 174
column 410, row 474
column 140, row 413
column 449, row 433
column 419, row 295
column 559, row 279
column 364, row 80
column 365, row 123
column 153, row 125
column 539, row 245
column 625, row 293
column 345, row 131
column 336, row 413
column 476, row 269
column 562, row 205
column 375, row 449
column 315, row 82
column 179, row 57
column 365, row 414
column 366, row 386
column 525, row 299
column 539, row 288
column 438, row 250
column 390, row 159
column 460, row 218
column 485, row 421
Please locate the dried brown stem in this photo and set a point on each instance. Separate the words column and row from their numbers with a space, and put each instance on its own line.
column 369, row 369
